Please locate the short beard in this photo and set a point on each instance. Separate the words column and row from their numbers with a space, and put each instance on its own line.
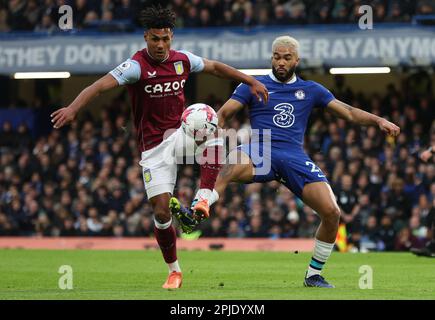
column 287, row 76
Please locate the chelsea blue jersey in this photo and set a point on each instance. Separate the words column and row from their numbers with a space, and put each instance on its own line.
column 288, row 109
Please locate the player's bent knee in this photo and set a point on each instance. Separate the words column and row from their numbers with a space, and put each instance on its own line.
column 331, row 215
column 161, row 210
column 161, row 215
column 225, row 175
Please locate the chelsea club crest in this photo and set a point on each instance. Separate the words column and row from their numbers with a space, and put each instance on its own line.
column 300, row 94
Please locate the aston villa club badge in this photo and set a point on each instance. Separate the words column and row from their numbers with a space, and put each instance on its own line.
column 179, row 69
column 147, row 175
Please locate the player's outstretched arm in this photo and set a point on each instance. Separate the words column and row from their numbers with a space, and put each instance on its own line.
column 65, row 115
column 227, row 111
column 361, row 117
column 223, row 70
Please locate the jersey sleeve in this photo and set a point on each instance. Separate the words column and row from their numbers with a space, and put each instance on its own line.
column 196, row 63
column 242, row 94
column 323, row 96
column 127, row 72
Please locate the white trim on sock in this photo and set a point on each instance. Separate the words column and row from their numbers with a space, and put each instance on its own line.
column 162, row 226
column 312, row 272
column 174, row 266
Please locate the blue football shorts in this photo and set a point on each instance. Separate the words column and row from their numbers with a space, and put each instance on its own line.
column 293, row 168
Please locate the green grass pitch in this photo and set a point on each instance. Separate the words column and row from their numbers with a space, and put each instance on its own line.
column 33, row 274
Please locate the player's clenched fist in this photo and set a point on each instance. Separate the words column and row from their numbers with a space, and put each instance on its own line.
column 63, row 116
column 389, row 127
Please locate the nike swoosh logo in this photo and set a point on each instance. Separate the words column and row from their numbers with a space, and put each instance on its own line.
column 270, row 92
column 321, row 175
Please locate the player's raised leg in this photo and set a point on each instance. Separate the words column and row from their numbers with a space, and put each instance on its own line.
column 166, row 238
column 319, row 196
column 213, row 157
column 242, row 171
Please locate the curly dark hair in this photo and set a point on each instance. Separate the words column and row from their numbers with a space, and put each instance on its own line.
column 157, row 18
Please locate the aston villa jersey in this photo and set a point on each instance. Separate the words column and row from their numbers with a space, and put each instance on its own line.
column 156, row 91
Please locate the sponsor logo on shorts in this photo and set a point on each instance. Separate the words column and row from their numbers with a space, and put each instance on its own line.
column 147, row 175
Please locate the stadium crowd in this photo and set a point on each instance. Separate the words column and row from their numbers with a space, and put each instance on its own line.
column 112, row 15
column 85, row 179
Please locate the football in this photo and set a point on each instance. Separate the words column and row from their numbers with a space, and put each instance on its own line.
column 199, row 120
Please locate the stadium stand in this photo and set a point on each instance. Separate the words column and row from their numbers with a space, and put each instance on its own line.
column 121, row 15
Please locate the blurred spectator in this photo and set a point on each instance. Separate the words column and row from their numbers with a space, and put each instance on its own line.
column 4, row 27
column 228, row 19
column 405, row 240
column 7, row 136
column 125, row 10
column 16, row 15
column 256, row 228
column 80, row 9
column 192, row 19
column 106, row 6
column 214, row 229
column 204, row 18
column 263, row 17
column 32, row 13
column 387, row 235
column 68, row 229
column 145, row 228
column 215, row 8
column 296, row 10
column 93, row 222
column 425, row 7
column 308, row 227
column 379, row 12
column 249, row 20
column 281, row 16
column 370, row 235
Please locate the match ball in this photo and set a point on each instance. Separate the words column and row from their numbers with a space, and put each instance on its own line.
column 199, row 120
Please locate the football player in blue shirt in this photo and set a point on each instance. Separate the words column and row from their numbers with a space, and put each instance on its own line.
column 281, row 156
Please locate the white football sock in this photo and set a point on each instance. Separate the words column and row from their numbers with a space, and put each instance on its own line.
column 322, row 251
column 211, row 196
column 174, row 266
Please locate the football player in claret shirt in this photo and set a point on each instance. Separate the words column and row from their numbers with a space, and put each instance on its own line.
column 155, row 78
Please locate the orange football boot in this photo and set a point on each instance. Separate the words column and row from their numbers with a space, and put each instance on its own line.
column 201, row 209
column 174, row 281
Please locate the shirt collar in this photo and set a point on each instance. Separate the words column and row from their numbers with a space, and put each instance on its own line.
column 292, row 80
column 149, row 55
